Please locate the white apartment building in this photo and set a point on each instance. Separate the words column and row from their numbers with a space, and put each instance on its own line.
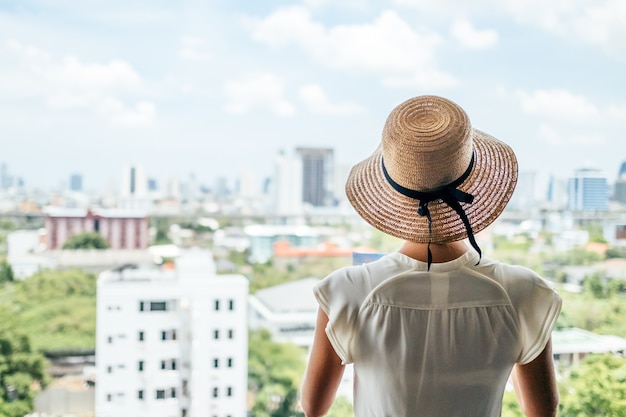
column 172, row 342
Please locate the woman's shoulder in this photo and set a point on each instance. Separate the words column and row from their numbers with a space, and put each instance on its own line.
column 517, row 280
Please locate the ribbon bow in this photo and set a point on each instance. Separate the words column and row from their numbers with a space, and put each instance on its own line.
column 450, row 195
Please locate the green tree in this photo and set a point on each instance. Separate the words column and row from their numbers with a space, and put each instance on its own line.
column 341, row 408
column 274, row 375
column 596, row 233
column 21, row 370
column 56, row 308
column 615, row 253
column 594, row 285
column 6, row 272
column 86, row 240
column 597, row 387
column 510, row 405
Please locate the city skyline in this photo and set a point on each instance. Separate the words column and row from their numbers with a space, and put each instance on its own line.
column 217, row 89
column 243, row 181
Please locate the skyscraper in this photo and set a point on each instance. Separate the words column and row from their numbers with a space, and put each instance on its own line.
column 5, row 178
column 317, row 176
column 588, row 190
column 134, row 182
column 76, row 182
column 287, row 185
column 619, row 192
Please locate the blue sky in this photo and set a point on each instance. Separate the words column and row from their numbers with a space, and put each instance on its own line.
column 218, row 88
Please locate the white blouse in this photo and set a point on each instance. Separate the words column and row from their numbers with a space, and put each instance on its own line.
column 438, row 343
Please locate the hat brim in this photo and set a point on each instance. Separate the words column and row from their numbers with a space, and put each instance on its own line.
column 491, row 182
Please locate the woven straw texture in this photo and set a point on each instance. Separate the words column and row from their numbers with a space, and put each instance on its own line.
column 427, row 143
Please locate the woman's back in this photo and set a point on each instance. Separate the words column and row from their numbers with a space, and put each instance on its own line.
column 441, row 342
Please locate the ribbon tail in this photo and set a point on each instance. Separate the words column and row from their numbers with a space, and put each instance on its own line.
column 470, row 233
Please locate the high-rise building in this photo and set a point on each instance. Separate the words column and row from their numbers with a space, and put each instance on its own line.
column 619, row 191
column 76, row 182
column 317, row 176
column 287, row 185
column 134, row 183
column 5, row 178
column 172, row 342
column 588, row 190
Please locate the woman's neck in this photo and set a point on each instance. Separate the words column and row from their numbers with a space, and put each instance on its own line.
column 443, row 252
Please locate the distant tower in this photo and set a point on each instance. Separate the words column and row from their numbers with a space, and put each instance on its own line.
column 5, row 178
column 619, row 192
column 288, row 185
column 134, row 193
column 134, row 182
column 153, row 184
column 76, row 182
column 317, row 176
column 588, row 190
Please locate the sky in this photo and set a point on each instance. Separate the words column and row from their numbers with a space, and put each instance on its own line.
column 218, row 88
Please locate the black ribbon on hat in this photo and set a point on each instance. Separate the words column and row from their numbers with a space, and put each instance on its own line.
column 450, row 195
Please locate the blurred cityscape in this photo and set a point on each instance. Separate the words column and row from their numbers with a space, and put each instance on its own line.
column 173, row 310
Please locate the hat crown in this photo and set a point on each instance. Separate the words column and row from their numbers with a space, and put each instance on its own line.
column 427, row 143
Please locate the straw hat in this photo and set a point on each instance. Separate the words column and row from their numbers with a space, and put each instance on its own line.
column 430, row 153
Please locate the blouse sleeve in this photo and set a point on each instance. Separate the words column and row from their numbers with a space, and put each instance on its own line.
column 340, row 295
column 538, row 306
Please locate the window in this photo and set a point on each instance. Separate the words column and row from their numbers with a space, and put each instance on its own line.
column 229, row 362
column 140, row 394
column 160, row 394
column 140, row 366
column 215, row 392
column 229, row 391
column 216, row 334
column 231, row 305
column 172, row 392
column 158, row 306
column 141, row 336
column 168, row 365
column 231, row 333
column 217, row 305
column 216, row 363
column 109, row 397
column 109, row 369
column 110, row 339
column 168, row 334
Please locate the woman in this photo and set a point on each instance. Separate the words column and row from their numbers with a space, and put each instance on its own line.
column 434, row 329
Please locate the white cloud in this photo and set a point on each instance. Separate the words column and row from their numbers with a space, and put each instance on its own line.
column 463, row 31
column 257, row 91
column 617, row 112
column 566, row 135
column 317, row 101
column 142, row 115
column 593, row 22
column 550, row 135
column 70, row 84
column 557, row 104
column 388, row 46
column 192, row 49
column 74, row 74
